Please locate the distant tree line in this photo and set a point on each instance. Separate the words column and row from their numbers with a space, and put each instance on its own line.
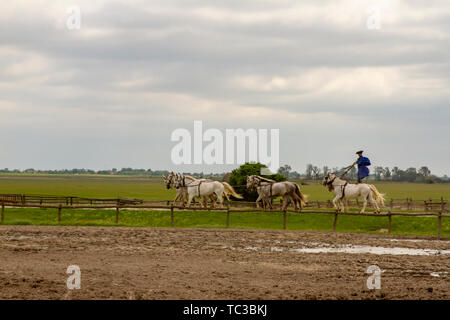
column 113, row 171
column 312, row 172
column 378, row 173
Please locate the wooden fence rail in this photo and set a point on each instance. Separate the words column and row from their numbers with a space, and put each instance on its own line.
column 407, row 203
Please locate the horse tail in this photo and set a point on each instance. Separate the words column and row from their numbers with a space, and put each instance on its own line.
column 229, row 189
column 378, row 196
column 226, row 194
column 302, row 196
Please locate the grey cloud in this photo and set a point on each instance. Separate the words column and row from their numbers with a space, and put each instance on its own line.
column 171, row 53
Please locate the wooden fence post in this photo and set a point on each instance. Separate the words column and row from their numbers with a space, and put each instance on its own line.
column 117, row 214
column 171, row 216
column 440, row 217
column 59, row 213
column 228, row 217
column 284, row 219
column 392, row 204
column 390, row 222
column 439, row 224
column 335, row 221
column 3, row 212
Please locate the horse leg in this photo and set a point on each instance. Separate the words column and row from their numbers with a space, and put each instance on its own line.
column 335, row 203
column 364, row 204
column 297, row 203
column 289, row 200
column 374, row 204
column 213, row 201
column 190, row 200
column 286, row 202
column 292, row 200
column 258, row 200
column 345, row 205
column 204, row 201
column 175, row 199
column 220, row 198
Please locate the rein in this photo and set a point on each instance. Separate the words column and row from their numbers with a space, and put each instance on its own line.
column 331, row 182
column 347, row 169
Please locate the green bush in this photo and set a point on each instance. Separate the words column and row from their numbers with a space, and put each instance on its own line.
column 239, row 176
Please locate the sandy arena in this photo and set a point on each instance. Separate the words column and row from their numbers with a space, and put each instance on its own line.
column 145, row 263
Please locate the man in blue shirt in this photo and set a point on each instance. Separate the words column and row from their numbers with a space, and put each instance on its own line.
column 362, row 163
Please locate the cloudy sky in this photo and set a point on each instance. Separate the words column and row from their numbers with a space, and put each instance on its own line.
column 110, row 94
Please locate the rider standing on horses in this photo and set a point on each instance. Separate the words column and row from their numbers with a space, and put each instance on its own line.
column 362, row 163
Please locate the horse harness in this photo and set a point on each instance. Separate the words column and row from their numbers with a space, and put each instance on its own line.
column 343, row 190
column 269, row 184
column 198, row 185
column 342, row 186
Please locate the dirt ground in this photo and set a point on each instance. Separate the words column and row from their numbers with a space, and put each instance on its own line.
column 146, row 263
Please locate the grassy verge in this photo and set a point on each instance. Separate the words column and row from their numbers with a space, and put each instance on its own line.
column 424, row 226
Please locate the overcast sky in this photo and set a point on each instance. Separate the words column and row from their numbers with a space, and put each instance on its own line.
column 110, row 94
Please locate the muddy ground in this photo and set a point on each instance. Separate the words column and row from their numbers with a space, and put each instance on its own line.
column 146, row 263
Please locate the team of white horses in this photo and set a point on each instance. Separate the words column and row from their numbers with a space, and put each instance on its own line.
column 188, row 188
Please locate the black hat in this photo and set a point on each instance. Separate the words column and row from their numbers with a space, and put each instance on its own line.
column 358, row 152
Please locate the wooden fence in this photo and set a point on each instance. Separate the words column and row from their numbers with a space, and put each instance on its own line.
column 391, row 204
column 238, row 206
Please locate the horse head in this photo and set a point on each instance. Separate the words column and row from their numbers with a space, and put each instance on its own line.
column 178, row 180
column 169, row 179
column 328, row 180
column 252, row 182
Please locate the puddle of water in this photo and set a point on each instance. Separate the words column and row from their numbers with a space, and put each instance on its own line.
column 355, row 249
column 417, row 240
column 438, row 274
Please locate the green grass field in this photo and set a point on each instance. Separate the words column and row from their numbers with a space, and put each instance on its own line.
column 154, row 189
column 95, row 186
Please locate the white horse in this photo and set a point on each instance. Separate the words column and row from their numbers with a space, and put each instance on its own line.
column 268, row 189
column 205, row 188
column 344, row 191
column 182, row 194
